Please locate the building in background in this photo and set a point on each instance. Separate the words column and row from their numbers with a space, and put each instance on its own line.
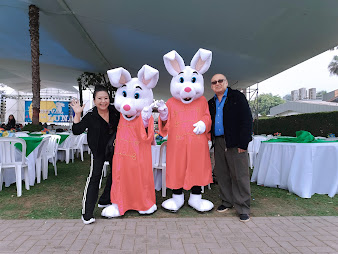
column 305, row 102
column 331, row 96
column 295, row 95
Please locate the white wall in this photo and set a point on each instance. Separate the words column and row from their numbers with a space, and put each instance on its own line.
column 16, row 108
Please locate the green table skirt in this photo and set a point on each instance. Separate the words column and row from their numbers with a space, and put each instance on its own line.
column 35, row 134
column 31, row 143
column 63, row 137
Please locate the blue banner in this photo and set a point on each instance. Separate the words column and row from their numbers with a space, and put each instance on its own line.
column 50, row 111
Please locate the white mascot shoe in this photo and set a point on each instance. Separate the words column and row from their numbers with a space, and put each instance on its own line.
column 111, row 211
column 149, row 211
column 201, row 205
column 174, row 203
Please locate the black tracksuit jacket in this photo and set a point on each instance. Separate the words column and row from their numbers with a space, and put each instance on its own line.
column 91, row 121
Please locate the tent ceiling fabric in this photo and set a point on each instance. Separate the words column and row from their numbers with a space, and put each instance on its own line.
column 250, row 40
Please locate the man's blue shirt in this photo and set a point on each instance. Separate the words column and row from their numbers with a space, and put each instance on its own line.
column 219, row 128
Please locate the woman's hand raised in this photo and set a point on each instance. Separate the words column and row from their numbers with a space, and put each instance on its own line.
column 75, row 104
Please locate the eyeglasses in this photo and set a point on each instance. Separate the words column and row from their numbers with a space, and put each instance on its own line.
column 219, row 81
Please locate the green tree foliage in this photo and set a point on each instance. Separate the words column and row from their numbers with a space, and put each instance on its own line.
column 333, row 66
column 287, row 97
column 265, row 102
column 318, row 124
column 319, row 95
column 88, row 80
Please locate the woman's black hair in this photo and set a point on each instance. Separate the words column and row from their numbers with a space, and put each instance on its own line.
column 12, row 119
column 11, row 123
column 99, row 88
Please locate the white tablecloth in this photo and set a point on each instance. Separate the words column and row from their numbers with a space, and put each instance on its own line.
column 301, row 168
column 253, row 148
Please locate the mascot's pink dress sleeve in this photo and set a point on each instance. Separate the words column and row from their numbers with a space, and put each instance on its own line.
column 185, row 118
column 133, row 181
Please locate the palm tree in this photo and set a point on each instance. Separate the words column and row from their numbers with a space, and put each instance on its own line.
column 35, row 52
column 333, row 66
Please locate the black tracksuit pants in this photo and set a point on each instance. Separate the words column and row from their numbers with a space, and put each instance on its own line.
column 91, row 190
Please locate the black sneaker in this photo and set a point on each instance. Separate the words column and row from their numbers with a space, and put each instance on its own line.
column 222, row 209
column 244, row 217
column 90, row 221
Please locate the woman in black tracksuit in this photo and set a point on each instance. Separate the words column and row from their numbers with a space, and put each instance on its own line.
column 101, row 122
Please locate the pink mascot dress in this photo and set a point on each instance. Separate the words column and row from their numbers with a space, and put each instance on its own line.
column 188, row 157
column 133, row 185
column 133, row 182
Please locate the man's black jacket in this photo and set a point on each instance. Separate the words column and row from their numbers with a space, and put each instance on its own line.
column 91, row 121
column 237, row 120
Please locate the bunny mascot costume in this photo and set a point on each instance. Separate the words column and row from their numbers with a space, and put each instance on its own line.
column 185, row 118
column 133, row 181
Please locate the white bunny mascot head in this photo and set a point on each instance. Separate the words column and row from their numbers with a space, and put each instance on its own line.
column 187, row 83
column 186, row 120
column 134, row 94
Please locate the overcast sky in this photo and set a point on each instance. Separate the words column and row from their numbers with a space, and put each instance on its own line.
column 312, row 73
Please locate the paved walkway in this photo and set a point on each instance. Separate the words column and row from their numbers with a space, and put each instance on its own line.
column 182, row 235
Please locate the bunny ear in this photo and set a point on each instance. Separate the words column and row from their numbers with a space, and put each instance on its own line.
column 148, row 76
column 173, row 62
column 118, row 76
column 201, row 60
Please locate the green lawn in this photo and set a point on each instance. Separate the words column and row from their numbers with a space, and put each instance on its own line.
column 60, row 197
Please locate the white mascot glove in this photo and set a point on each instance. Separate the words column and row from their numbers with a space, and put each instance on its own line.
column 199, row 127
column 146, row 114
column 162, row 109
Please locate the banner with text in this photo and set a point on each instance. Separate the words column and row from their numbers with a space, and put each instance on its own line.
column 50, row 111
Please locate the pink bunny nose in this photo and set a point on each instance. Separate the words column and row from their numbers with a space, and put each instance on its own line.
column 126, row 107
column 187, row 89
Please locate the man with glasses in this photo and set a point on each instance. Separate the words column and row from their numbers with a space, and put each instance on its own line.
column 231, row 133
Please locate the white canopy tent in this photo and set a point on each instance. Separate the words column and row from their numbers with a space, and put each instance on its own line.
column 250, row 40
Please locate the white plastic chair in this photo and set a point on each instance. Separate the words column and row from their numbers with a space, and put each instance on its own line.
column 162, row 165
column 78, row 145
column 67, row 147
column 41, row 163
column 251, row 154
column 85, row 144
column 52, row 149
column 202, row 188
column 211, row 150
column 105, row 165
column 7, row 156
